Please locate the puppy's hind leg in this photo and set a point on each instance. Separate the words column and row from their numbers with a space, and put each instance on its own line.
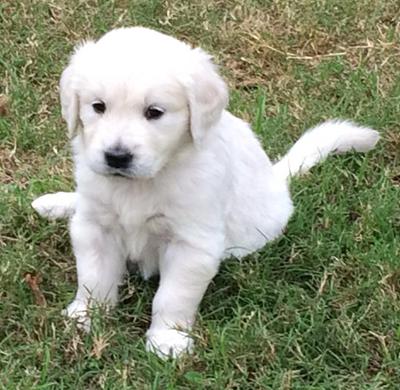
column 56, row 206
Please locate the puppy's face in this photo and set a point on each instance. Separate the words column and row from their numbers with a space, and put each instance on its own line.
column 132, row 128
column 135, row 97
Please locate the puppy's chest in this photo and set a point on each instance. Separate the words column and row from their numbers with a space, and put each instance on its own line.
column 137, row 220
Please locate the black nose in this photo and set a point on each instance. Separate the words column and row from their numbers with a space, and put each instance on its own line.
column 118, row 158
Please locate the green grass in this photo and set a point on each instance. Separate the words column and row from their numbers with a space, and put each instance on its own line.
column 317, row 309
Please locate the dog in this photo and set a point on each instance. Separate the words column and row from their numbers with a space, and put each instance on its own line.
column 167, row 178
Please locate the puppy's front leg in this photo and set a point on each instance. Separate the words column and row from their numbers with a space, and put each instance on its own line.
column 100, row 267
column 185, row 273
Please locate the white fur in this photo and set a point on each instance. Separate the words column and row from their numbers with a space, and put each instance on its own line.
column 200, row 189
column 329, row 137
column 55, row 206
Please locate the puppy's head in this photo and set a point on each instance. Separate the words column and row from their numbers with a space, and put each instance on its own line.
column 135, row 97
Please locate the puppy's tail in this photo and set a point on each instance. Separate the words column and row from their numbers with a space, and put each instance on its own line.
column 334, row 136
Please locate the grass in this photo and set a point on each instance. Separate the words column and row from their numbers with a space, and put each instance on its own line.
column 317, row 309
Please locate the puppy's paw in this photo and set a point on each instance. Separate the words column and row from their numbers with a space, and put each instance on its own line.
column 78, row 310
column 169, row 343
column 54, row 206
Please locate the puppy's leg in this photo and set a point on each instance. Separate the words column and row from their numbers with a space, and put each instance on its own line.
column 185, row 274
column 100, row 266
column 54, row 206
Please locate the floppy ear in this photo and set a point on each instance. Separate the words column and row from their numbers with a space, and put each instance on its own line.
column 69, row 101
column 207, row 95
column 68, row 86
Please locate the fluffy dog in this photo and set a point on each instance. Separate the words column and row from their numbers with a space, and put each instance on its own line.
column 166, row 177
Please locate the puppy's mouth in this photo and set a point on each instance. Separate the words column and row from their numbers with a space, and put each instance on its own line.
column 125, row 173
column 132, row 172
column 106, row 171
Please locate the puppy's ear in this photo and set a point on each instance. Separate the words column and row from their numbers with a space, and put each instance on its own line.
column 69, row 101
column 207, row 95
column 69, row 89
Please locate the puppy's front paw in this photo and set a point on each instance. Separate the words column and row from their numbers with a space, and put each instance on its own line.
column 54, row 206
column 78, row 311
column 169, row 343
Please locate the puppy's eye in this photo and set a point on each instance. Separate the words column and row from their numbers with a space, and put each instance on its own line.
column 99, row 107
column 153, row 112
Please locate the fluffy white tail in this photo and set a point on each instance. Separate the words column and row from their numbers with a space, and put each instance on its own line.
column 316, row 144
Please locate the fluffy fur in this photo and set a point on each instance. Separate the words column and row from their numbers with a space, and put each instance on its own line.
column 199, row 188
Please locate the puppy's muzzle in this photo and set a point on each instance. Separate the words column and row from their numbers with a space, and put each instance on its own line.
column 118, row 158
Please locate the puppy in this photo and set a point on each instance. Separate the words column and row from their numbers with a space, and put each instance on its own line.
column 166, row 177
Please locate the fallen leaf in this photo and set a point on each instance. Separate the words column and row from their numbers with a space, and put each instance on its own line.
column 3, row 105
column 33, row 281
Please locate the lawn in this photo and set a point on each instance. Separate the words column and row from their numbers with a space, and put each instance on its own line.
column 318, row 308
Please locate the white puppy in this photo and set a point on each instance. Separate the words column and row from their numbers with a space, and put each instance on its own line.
column 166, row 177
